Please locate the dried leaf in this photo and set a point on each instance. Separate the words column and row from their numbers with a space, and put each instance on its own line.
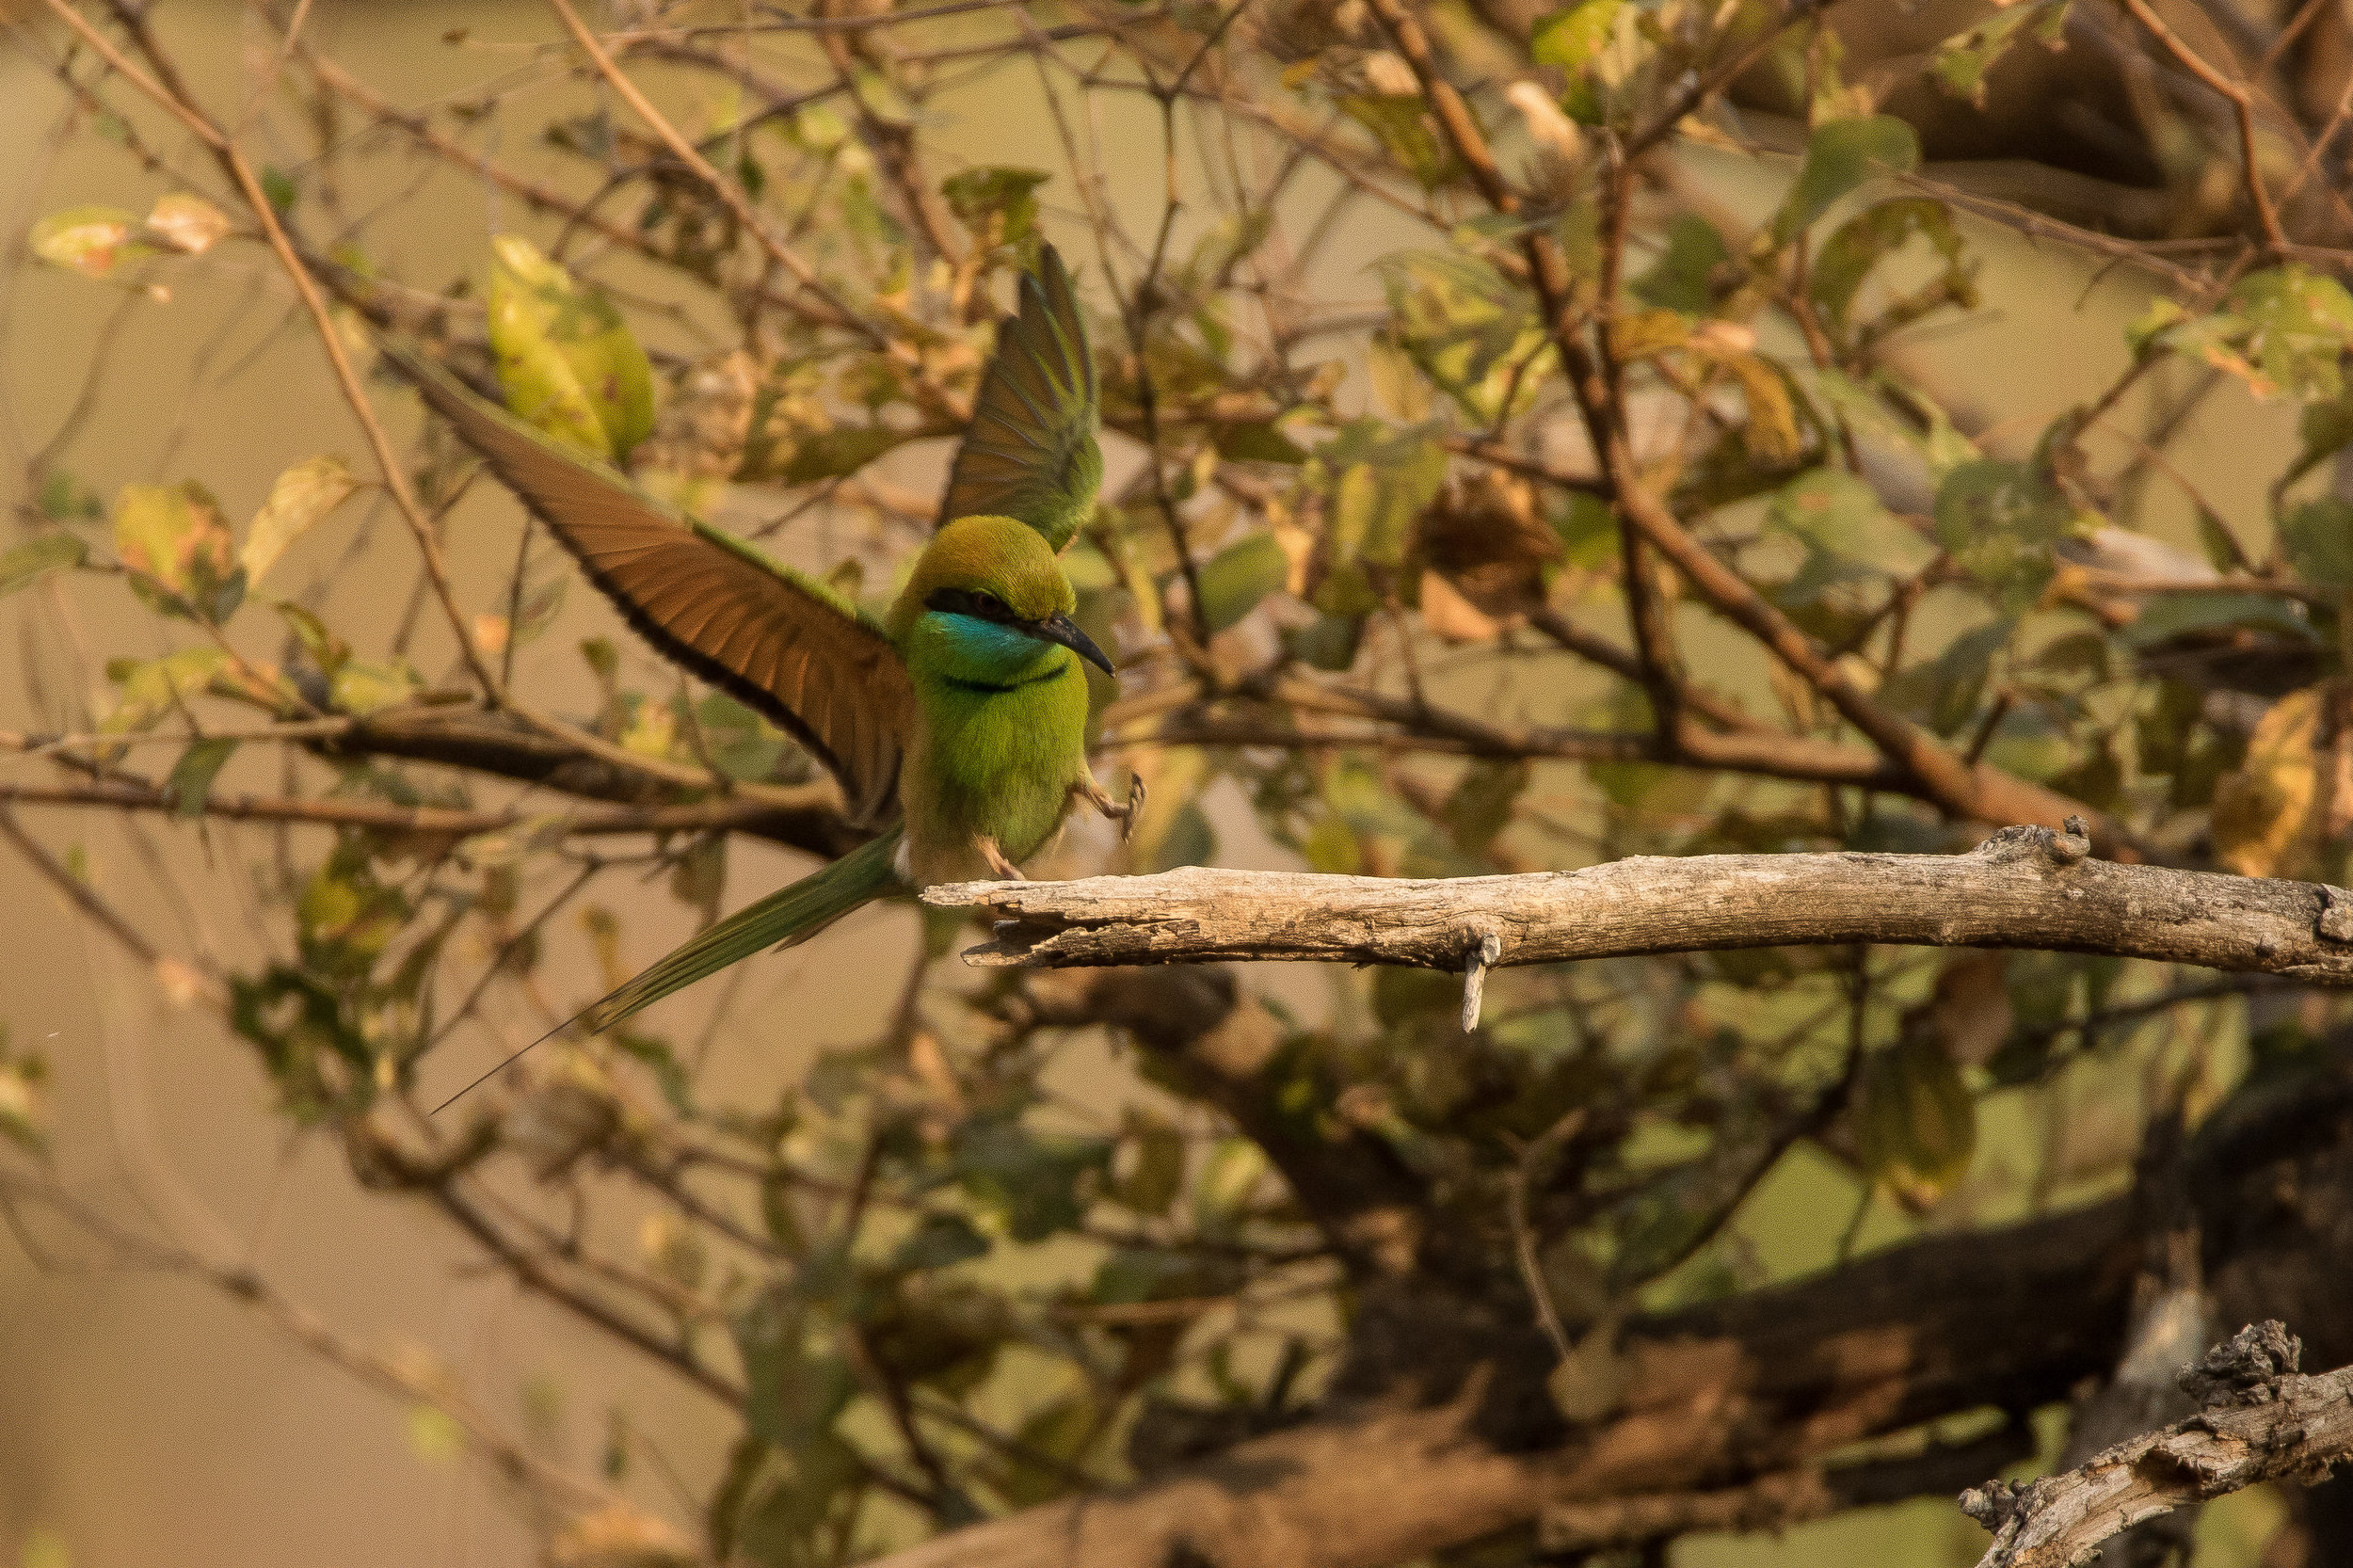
column 187, row 223
column 2264, row 818
column 299, row 500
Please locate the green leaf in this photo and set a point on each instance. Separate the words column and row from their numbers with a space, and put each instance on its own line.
column 1682, row 277
column 1238, row 577
column 1916, row 1119
column 299, row 500
column 792, row 1398
column 1152, row 1181
column 1398, row 122
column 1841, row 155
column 1031, row 1180
column 1963, row 61
column 1189, row 841
column 1574, row 39
column 1869, row 237
column 1943, row 691
column 743, row 745
column 153, row 687
column 1328, row 643
column 831, row 453
column 1829, row 509
column 2300, row 324
column 36, row 558
column 940, row 1242
column 191, row 778
column 362, row 687
column 327, row 650
column 998, row 203
column 2169, row 616
column 1999, row 520
column 92, row 241
column 1259, row 441
column 2317, row 538
column 567, row 361
column 1482, row 802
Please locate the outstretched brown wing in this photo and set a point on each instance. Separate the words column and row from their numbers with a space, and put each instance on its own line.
column 771, row 637
column 1030, row 453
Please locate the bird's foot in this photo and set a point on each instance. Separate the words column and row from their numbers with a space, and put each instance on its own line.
column 1006, row 871
column 1124, row 813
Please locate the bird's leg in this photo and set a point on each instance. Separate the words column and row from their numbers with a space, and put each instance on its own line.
column 1125, row 815
column 1005, row 869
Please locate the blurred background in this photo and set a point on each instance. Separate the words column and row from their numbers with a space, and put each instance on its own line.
column 146, row 1417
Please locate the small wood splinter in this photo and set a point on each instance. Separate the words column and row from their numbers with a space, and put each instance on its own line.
column 1480, row 957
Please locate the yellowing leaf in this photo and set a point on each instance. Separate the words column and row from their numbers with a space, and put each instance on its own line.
column 301, row 498
column 1771, row 430
column 154, row 687
column 565, row 359
column 91, row 241
column 177, row 539
column 2263, row 817
column 361, row 687
column 187, row 223
column 436, row 1438
column 1917, row 1123
column 1572, row 38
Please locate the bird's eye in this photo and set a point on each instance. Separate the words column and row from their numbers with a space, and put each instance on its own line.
column 991, row 606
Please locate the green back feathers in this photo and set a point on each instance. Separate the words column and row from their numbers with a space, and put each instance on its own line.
column 1030, row 453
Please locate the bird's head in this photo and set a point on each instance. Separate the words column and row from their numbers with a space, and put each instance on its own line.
column 988, row 604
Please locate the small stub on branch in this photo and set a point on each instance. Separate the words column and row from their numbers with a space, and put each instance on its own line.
column 2336, row 915
column 1483, row 954
column 2073, row 843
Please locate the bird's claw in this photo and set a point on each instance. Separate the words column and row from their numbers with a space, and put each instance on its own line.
column 1134, row 809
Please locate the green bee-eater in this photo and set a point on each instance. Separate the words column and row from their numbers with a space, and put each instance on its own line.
column 958, row 725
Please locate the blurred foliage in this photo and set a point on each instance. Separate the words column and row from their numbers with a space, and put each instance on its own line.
column 1355, row 553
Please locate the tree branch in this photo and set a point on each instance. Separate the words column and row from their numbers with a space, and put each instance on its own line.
column 2023, row 888
column 2262, row 1421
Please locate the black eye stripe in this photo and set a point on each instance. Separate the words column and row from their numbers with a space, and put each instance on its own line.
column 963, row 602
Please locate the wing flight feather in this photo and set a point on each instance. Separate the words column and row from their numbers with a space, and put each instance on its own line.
column 773, row 638
column 1030, row 453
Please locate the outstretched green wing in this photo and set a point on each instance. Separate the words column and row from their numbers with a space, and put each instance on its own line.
column 778, row 641
column 1030, row 453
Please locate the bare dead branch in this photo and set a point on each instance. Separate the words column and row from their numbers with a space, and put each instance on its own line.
column 2262, row 1421
column 2023, row 888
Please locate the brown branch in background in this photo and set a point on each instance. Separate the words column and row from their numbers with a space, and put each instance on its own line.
column 2242, row 105
column 730, row 193
column 394, row 474
column 723, row 815
column 1980, row 793
column 2023, row 887
column 2262, row 1421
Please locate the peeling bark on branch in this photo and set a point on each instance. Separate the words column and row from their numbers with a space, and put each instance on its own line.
column 2263, row 1422
column 2023, row 888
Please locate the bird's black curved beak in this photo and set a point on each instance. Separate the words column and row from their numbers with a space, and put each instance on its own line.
column 1059, row 628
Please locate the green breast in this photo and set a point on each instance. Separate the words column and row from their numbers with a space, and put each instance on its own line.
column 991, row 761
